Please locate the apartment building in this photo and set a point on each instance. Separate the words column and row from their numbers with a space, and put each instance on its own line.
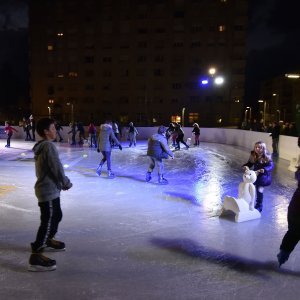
column 149, row 62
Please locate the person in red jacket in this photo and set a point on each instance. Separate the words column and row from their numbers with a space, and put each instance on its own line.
column 9, row 131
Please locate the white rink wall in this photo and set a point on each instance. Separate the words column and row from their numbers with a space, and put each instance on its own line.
column 288, row 145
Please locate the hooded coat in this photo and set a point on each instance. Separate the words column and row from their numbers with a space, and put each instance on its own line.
column 51, row 178
column 158, row 147
column 106, row 133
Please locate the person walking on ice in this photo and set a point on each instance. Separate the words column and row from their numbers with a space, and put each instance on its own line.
column 51, row 179
column 105, row 137
column 158, row 150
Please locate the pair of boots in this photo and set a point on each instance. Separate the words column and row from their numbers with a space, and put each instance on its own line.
column 259, row 201
column 161, row 179
column 110, row 174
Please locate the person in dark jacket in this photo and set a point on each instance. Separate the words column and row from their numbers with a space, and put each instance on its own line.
column 196, row 132
column 292, row 236
column 261, row 162
column 275, row 132
column 158, row 150
column 105, row 137
column 180, row 136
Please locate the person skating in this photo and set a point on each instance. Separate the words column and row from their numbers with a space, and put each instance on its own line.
column 196, row 132
column 132, row 133
column 104, row 146
column 158, row 150
column 180, row 136
column 261, row 162
column 292, row 236
column 9, row 131
column 51, row 179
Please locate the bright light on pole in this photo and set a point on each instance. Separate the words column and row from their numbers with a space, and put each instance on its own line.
column 219, row 80
column 265, row 103
column 250, row 110
column 72, row 111
column 182, row 113
column 212, row 71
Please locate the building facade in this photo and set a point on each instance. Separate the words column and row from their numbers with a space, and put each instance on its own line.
column 138, row 60
column 281, row 98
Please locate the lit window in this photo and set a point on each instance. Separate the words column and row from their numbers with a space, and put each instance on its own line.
column 193, row 117
column 176, row 119
column 73, row 74
column 50, row 47
column 60, row 75
column 222, row 28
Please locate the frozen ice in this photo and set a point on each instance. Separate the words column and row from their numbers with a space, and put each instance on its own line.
column 128, row 239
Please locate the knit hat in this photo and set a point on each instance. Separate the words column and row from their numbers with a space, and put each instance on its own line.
column 161, row 129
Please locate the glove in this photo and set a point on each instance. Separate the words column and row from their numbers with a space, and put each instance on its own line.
column 98, row 150
column 120, row 147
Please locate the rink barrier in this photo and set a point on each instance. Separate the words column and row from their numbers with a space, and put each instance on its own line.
column 288, row 145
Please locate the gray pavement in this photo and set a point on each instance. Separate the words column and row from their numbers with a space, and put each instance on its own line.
column 128, row 239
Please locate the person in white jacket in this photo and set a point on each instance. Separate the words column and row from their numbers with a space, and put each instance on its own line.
column 105, row 137
column 158, row 150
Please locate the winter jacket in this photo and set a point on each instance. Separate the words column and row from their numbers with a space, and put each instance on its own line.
column 106, row 133
column 158, row 147
column 9, row 130
column 51, row 178
column 263, row 179
column 196, row 130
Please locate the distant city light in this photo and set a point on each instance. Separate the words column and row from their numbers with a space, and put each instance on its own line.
column 219, row 80
column 292, row 76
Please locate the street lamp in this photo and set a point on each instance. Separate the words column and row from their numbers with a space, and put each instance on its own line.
column 278, row 115
column 50, row 101
column 250, row 115
column 182, row 113
column 49, row 112
column 246, row 111
column 72, row 111
column 265, row 103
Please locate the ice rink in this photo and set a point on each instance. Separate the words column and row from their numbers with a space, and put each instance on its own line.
column 128, row 239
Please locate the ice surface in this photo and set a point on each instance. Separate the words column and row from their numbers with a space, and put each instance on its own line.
column 128, row 239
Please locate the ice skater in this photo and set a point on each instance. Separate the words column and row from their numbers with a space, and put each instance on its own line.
column 261, row 162
column 158, row 150
column 132, row 133
column 104, row 146
column 196, row 132
column 9, row 132
column 51, row 179
column 180, row 136
column 292, row 236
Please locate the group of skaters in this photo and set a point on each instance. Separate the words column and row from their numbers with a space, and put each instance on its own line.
column 51, row 179
column 176, row 134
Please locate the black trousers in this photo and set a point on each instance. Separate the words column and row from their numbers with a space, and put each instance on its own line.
column 292, row 236
column 51, row 215
column 8, row 139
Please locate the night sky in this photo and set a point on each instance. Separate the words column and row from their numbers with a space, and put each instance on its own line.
column 273, row 46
